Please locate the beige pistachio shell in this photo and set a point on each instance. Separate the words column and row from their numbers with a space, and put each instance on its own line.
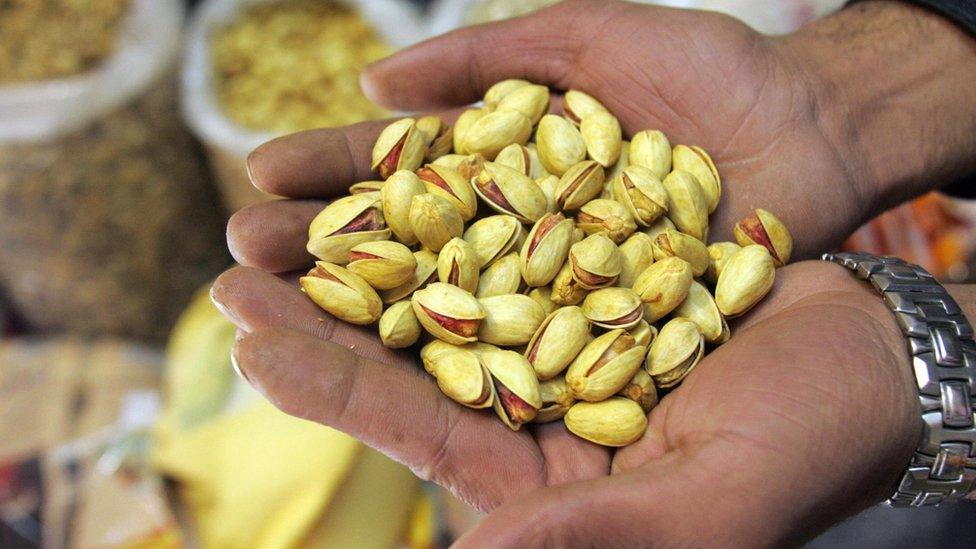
column 643, row 333
column 578, row 105
column 641, row 390
column 335, row 248
column 641, row 193
column 663, row 286
column 557, row 342
column 500, row 278
column 603, row 137
column 492, row 237
column 496, row 130
column 672, row 243
column 434, row 220
column 536, row 171
column 383, row 264
column 765, row 229
column 399, row 326
column 448, row 184
column 366, row 187
column 448, row 313
column 532, row 101
column 746, row 279
column 697, row 162
column 546, row 248
column 559, row 144
column 678, row 348
column 425, row 272
column 507, row 191
column 451, row 160
column 604, row 216
column 581, row 183
column 565, row 289
column 613, row 308
column 348, row 221
column 699, row 307
column 510, row 319
column 604, row 366
column 499, row 90
column 595, row 262
column 718, row 255
column 686, row 204
column 517, row 157
column 543, row 296
column 517, row 399
column 342, row 294
column 463, row 378
column 440, row 139
column 430, row 126
column 658, row 227
column 636, row 254
column 431, row 353
column 471, row 167
column 614, row 422
column 457, row 264
column 652, row 150
column 400, row 146
column 622, row 163
column 556, row 400
column 463, row 124
column 396, row 195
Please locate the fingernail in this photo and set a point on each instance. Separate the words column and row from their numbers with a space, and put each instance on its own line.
column 224, row 310
column 236, row 364
column 247, row 167
column 367, row 87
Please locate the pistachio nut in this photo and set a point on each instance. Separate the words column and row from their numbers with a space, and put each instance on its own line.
column 517, row 398
column 578, row 235
column 399, row 327
column 536, row 170
column 765, row 229
column 383, row 264
column 613, row 308
column 651, row 149
column 718, row 255
column 448, row 184
column 699, row 307
column 348, row 221
column 508, row 191
column 642, row 193
column 641, row 390
column 581, row 183
column 492, row 237
column 604, row 216
column 400, row 146
column 448, row 313
column 451, row 160
column 543, row 296
column 559, row 144
column 342, row 294
column 746, row 279
column 595, row 262
column 549, row 185
column 457, row 264
column 696, row 161
column 499, row 90
column 431, row 352
column 556, row 400
column 565, row 289
column 434, row 220
column 510, row 319
column 678, row 348
column 464, row 122
column 687, row 208
column 658, row 227
column 545, row 249
column 663, row 286
column 672, row 243
column 643, row 333
column 558, row 341
column 578, row 105
column 532, row 101
column 471, row 167
column 496, row 130
column 614, row 422
column 395, row 196
column 605, row 366
column 602, row 136
column 366, row 187
column 622, row 163
column 462, row 377
column 517, row 157
column 438, row 137
column 500, row 278
column 636, row 254
column 425, row 273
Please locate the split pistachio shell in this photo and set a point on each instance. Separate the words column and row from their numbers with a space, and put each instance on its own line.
column 463, row 124
column 765, row 229
column 565, row 289
column 383, row 264
column 643, row 333
column 641, row 390
column 718, row 255
column 609, row 217
column 672, row 243
column 396, row 196
column 663, row 286
column 499, row 90
column 652, row 150
column 425, row 272
column 578, row 105
column 558, row 341
column 603, row 137
column 510, row 319
column 641, row 193
column 451, row 160
column 448, row 313
column 613, row 308
column 434, row 220
column 532, row 101
column 687, row 207
column 463, row 378
column 556, row 400
column 508, row 191
column 366, row 187
column 492, row 237
column 431, row 353
column 500, row 278
column 697, row 162
column 457, row 264
column 342, row 294
column 622, row 163
column 545, row 249
column 517, row 397
column 549, row 185
column 658, row 227
column 581, row 183
column 400, row 146
column 471, row 167
column 496, row 130
column 636, row 254
column 543, row 296
column 448, row 184
column 595, row 262
column 559, row 144
column 439, row 137
column 676, row 351
column 517, row 157
column 746, row 279
column 699, row 307
column 605, row 366
column 399, row 327
column 348, row 221
column 614, row 422
column 536, row 170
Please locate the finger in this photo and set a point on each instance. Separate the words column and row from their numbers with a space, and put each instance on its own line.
column 397, row 411
column 272, row 235
column 568, row 457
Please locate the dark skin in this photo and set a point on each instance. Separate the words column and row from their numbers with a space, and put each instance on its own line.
column 771, row 439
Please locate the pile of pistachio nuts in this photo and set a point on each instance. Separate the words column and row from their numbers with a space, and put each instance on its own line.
column 558, row 271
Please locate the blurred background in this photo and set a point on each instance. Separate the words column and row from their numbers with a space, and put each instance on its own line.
column 123, row 129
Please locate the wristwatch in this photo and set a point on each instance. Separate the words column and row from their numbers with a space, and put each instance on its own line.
column 943, row 355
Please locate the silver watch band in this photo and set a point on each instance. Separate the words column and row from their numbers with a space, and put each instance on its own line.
column 943, row 355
